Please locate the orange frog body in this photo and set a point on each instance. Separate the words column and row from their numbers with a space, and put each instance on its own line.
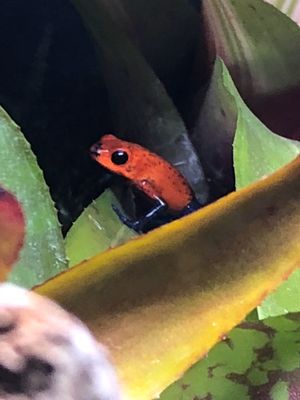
column 153, row 175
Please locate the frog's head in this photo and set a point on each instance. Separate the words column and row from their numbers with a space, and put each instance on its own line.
column 113, row 154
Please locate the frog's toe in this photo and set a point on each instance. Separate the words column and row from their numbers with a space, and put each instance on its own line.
column 132, row 224
column 135, row 225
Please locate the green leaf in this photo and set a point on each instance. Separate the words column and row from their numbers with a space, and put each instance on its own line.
column 43, row 254
column 141, row 107
column 97, row 229
column 269, row 367
column 257, row 151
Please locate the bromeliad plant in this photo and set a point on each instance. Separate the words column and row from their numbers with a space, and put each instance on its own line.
column 161, row 301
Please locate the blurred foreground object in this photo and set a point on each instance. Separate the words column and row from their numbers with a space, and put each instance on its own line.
column 46, row 353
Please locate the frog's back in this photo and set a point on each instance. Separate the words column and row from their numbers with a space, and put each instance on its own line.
column 166, row 182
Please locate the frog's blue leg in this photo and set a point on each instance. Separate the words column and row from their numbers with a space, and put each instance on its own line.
column 139, row 224
column 194, row 205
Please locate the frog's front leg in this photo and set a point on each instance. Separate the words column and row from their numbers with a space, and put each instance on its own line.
column 139, row 224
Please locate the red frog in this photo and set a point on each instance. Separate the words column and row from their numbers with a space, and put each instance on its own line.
column 150, row 173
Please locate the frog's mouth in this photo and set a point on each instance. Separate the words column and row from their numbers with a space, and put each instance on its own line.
column 95, row 150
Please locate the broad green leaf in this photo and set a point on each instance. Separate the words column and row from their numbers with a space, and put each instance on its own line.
column 161, row 301
column 43, row 253
column 261, row 48
column 97, row 229
column 12, row 231
column 142, row 109
column 257, row 151
column 258, row 361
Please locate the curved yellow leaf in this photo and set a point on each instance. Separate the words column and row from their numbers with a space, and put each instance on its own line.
column 161, row 301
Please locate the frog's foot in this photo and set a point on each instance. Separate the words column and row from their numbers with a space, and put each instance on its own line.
column 136, row 225
column 194, row 205
column 139, row 225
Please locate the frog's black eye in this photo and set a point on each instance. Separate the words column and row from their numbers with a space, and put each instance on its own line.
column 119, row 157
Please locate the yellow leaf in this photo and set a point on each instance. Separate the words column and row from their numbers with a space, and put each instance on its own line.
column 160, row 302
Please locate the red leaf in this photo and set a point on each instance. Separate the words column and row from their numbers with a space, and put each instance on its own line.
column 12, row 231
